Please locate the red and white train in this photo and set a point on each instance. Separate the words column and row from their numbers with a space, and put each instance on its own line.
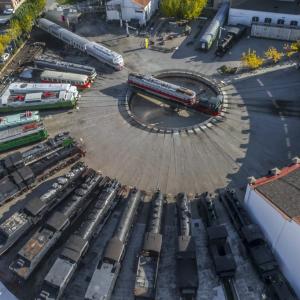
column 162, row 88
column 169, row 91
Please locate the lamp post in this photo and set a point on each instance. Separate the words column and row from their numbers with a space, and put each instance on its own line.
column 220, row 33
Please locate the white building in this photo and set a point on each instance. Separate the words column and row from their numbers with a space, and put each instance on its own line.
column 276, row 12
column 274, row 204
column 128, row 10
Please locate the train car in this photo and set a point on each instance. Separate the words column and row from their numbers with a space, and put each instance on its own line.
column 162, row 88
column 148, row 261
column 26, row 177
column 104, row 278
column 16, row 160
column 233, row 34
column 79, row 80
column 210, row 34
column 219, row 248
column 43, row 240
column 65, row 66
column 11, row 163
column 22, row 135
column 62, row 139
column 186, row 263
column 258, row 249
column 93, row 49
column 78, row 243
column 20, row 222
column 209, row 105
column 20, row 96
column 19, row 119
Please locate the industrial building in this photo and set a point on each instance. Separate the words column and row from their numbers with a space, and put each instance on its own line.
column 276, row 19
column 274, row 204
column 130, row 10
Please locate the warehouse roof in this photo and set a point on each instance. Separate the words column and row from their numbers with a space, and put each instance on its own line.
column 276, row 6
column 283, row 190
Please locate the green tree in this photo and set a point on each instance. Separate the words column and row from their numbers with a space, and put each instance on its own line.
column 187, row 9
column 252, row 60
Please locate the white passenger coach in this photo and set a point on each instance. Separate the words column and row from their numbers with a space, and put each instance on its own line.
column 98, row 51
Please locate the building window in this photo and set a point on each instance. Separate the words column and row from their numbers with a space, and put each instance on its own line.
column 268, row 20
column 255, row 19
column 294, row 23
column 280, row 22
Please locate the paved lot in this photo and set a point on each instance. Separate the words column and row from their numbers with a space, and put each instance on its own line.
column 229, row 152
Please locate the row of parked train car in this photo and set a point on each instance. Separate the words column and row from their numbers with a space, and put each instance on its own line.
column 19, row 172
column 86, row 194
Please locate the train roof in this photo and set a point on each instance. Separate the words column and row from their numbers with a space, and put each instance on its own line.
column 63, row 76
column 100, row 283
column 12, row 133
column 24, row 86
column 47, row 60
column 67, row 91
column 163, row 83
column 60, row 271
column 64, row 32
column 21, row 118
column 35, row 206
column 103, row 49
column 36, row 244
column 216, row 21
column 13, row 223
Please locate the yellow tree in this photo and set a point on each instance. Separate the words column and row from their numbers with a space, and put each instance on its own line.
column 5, row 40
column 187, row 9
column 191, row 9
column 26, row 23
column 15, row 29
column 273, row 54
column 2, row 49
column 292, row 48
column 252, row 60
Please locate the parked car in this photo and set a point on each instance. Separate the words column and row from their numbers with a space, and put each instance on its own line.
column 4, row 57
column 8, row 11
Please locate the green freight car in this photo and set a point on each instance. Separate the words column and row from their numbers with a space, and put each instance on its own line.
column 24, row 140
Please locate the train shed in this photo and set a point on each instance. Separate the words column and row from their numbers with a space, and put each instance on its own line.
column 274, row 204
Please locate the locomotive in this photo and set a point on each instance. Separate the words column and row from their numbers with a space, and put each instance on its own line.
column 178, row 94
column 98, row 51
column 162, row 88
